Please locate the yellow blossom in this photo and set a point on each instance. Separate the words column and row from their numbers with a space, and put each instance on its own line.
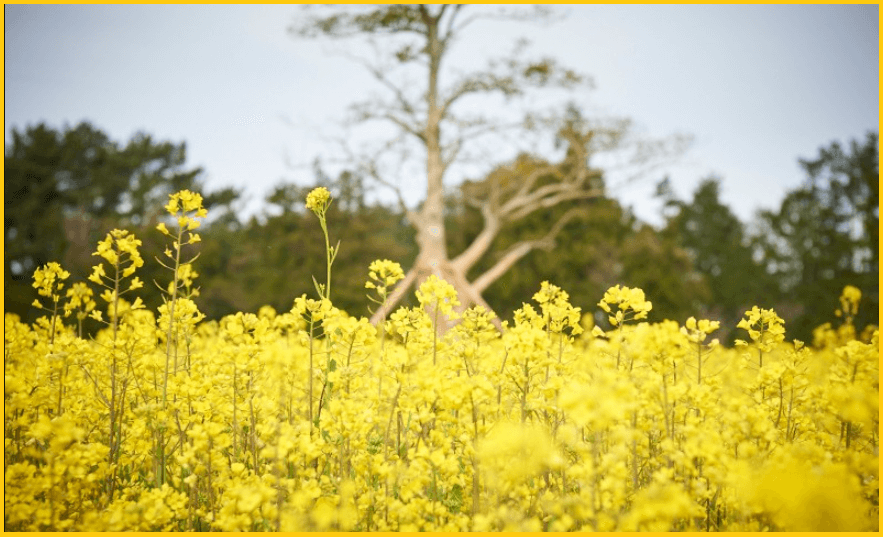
column 438, row 294
column 631, row 304
column 318, row 200
column 383, row 273
column 49, row 280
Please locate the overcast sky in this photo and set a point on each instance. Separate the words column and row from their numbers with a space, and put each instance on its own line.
column 757, row 86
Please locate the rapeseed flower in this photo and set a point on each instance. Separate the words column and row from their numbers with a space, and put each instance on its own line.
column 49, row 280
column 631, row 303
column 849, row 300
column 318, row 200
column 764, row 327
column 307, row 420
column 558, row 313
column 438, row 294
column 383, row 273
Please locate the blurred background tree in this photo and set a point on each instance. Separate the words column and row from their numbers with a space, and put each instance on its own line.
column 720, row 250
column 825, row 235
column 439, row 115
column 271, row 260
column 601, row 245
column 65, row 189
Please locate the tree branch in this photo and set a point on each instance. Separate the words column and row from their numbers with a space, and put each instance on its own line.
column 568, row 185
column 380, row 74
column 368, row 111
column 537, row 14
column 449, row 31
column 391, row 19
column 521, row 249
column 529, row 183
column 470, row 129
column 370, row 168
column 551, row 198
column 470, row 256
column 514, row 77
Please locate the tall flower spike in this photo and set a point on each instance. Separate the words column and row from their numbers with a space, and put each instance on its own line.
column 764, row 327
column 318, row 201
column 49, row 280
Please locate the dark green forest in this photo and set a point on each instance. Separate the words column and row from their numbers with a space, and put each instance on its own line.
column 65, row 188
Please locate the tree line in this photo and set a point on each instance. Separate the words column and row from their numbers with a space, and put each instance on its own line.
column 64, row 189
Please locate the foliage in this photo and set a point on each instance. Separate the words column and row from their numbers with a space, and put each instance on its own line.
column 604, row 244
column 64, row 188
column 826, row 233
column 704, row 262
column 439, row 116
column 719, row 249
column 312, row 419
column 266, row 261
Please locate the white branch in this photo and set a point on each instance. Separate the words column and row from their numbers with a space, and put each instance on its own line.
column 371, row 168
column 553, row 198
column 380, row 74
column 521, row 249
column 470, row 256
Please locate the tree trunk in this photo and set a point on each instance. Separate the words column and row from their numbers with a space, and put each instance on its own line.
column 430, row 224
column 429, row 221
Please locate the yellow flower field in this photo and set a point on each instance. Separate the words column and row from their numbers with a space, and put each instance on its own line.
column 313, row 419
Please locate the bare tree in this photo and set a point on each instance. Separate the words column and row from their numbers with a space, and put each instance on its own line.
column 433, row 117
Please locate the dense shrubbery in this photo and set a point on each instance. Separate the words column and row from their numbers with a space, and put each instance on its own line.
column 314, row 419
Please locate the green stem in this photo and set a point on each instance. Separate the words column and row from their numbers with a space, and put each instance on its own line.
column 235, row 397
column 171, row 311
column 328, row 257
column 435, row 334
column 113, row 372
column 52, row 326
column 310, row 378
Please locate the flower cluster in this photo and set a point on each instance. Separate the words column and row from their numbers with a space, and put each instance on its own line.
column 180, row 206
column 313, row 311
column 119, row 250
column 118, row 247
column 308, row 420
column 80, row 299
column 557, row 311
column 849, row 300
column 383, row 273
column 49, row 281
column 439, row 296
column 318, row 200
column 765, row 328
column 697, row 331
column 631, row 304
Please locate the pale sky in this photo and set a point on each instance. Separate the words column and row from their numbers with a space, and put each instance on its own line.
column 756, row 86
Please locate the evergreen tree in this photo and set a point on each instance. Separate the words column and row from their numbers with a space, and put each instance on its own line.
column 825, row 235
column 720, row 250
column 272, row 259
column 64, row 189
